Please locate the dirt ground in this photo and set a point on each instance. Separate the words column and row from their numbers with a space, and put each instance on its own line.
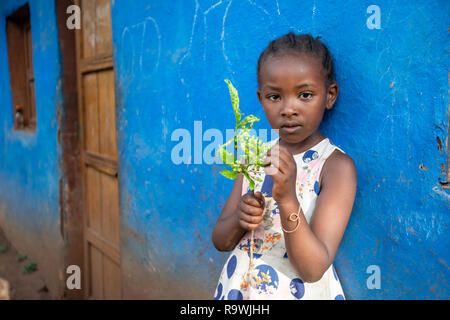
column 28, row 286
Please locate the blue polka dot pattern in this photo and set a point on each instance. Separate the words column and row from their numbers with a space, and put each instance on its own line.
column 297, row 288
column 275, row 210
column 231, row 266
column 246, row 247
column 219, row 292
column 339, row 297
column 316, row 187
column 267, row 186
column 235, row 294
column 310, row 155
column 268, row 277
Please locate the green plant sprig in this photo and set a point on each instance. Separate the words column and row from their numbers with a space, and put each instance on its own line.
column 254, row 149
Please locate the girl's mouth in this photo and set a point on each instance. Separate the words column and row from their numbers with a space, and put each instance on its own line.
column 291, row 128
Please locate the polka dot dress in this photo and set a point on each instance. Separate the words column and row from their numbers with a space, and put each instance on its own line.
column 275, row 277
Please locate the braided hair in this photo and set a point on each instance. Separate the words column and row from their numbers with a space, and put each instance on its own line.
column 299, row 44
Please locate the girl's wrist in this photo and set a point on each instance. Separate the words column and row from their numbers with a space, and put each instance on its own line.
column 288, row 201
column 287, row 207
column 289, row 215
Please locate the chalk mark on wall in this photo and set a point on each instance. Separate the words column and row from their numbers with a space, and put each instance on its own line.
column 223, row 41
column 188, row 52
column 222, row 36
column 205, row 37
column 133, row 57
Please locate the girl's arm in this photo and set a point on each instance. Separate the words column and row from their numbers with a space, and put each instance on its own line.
column 239, row 215
column 227, row 231
column 312, row 248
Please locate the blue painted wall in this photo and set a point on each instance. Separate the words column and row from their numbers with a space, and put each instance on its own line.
column 170, row 64
column 29, row 162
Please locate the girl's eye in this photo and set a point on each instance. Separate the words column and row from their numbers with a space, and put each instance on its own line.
column 273, row 97
column 306, row 95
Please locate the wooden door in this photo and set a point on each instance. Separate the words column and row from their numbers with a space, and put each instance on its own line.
column 102, row 272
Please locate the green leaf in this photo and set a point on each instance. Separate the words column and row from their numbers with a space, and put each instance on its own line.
column 248, row 120
column 251, row 183
column 234, row 100
column 228, row 142
column 226, row 157
column 228, row 174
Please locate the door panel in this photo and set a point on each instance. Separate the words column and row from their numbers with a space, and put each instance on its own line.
column 110, row 209
column 108, row 145
column 88, row 28
column 96, row 272
column 93, row 201
column 90, row 112
column 111, row 279
column 103, row 41
column 99, row 151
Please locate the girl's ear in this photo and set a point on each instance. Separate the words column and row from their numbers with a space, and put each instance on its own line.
column 332, row 94
column 259, row 95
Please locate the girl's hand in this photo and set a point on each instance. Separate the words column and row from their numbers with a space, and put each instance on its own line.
column 280, row 164
column 250, row 210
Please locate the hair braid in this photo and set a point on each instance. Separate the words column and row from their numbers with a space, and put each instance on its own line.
column 302, row 43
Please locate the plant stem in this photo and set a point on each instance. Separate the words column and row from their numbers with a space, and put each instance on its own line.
column 251, row 246
column 252, row 232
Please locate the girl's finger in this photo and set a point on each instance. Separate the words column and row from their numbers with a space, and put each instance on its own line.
column 248, row 226
column 251, row 219
column 251, row 210
column 251, row 200
column 274, row 150
column 260, row 197
column 272, row 164
column 275, row 167
column 284, row 165
column 271, row 170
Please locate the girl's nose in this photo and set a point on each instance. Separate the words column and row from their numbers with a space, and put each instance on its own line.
column 289, row 110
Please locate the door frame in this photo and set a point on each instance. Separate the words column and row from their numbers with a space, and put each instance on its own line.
column 70, row 183
column 99, row 162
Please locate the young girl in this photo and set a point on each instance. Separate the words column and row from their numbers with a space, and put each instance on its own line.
column 300, row 211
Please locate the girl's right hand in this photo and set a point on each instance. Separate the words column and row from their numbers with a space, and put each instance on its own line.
column 250, row 210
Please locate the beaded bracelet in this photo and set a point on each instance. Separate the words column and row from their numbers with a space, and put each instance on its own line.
column 294, row 217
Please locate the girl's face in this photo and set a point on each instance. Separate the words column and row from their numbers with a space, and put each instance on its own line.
column 294, row 97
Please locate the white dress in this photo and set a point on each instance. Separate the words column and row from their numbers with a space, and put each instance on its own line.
column 276, row 278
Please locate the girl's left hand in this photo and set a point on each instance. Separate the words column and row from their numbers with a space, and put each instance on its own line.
column 280, row 164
